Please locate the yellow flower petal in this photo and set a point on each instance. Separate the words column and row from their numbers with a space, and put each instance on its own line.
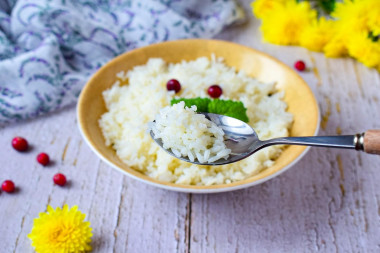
column 336, row 47
column 262, row 8
column 317, row 35
column 61, row 230
column 364, row 49
column 353, row 15
column 374, row 17
column 285, row 24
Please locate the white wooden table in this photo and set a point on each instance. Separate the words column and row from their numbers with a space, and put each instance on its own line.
column 328, row 202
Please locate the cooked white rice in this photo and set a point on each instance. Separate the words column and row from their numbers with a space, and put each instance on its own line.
column 138, row 95
column 188, row 134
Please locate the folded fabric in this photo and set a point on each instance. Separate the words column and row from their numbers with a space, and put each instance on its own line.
column 49, row 48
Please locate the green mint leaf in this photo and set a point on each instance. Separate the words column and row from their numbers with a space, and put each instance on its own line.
column 201, row 103
column 229, row 108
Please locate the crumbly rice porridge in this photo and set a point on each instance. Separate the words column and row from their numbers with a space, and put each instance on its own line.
column 138, row 95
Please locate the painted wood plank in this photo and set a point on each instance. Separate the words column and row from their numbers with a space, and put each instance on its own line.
column 125, row 215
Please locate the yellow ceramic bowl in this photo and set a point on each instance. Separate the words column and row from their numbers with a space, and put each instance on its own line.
column 300, row 99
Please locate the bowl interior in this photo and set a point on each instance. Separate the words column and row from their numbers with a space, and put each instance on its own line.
column 300, row 99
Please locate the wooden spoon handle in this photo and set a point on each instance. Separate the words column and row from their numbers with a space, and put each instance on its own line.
column 371, row 142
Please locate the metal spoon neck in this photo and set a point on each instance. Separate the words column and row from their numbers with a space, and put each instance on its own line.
column 342, row 141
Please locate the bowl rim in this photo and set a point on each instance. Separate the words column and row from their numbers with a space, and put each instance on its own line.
column 192, row 188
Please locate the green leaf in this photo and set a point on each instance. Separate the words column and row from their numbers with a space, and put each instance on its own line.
column 229, row 108
column 201, row 103
column 323, row 7
column 327, row 6
column 372, row 37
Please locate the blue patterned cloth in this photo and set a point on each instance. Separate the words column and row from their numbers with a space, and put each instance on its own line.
column 49, row 48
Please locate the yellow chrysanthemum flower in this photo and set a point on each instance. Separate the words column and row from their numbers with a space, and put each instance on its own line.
column 354, row 29
column 364, row 49
column 262, row 8
column 61, row 231
column 285, row 24
column 317, row 35
column 355, row 20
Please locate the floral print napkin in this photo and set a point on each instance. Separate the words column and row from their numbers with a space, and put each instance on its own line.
column 49, row 48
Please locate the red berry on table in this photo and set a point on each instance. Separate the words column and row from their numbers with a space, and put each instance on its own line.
column 8, row 186
column 300, row 65
column 173, row 84
column 43, row 159
column 20, row 144
column 59, row 179
column 215, row 91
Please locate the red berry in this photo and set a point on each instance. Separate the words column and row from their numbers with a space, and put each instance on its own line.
column 300, row 65
column 173, row 84
column 215, row 91
column 8, row 186
column 20, row 144
column 59, row 179
column 43, row 159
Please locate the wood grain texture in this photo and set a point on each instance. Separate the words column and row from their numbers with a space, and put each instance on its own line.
column 328, row 202
column 126, row 216
column 372, row 142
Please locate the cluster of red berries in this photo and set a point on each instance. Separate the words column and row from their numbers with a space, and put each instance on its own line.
column 21, row 144
column 214, row 91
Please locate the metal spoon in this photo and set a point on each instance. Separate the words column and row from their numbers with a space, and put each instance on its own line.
column 243, row 140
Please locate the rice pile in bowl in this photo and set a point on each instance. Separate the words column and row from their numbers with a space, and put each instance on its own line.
column 138, row 95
